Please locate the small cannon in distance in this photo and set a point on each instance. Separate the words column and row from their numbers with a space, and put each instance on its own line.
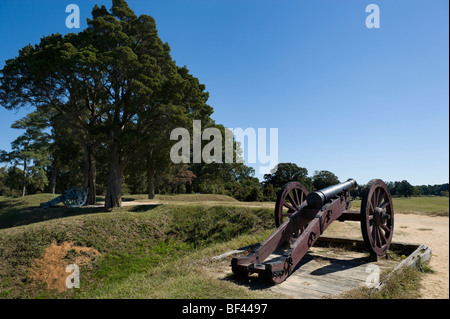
column 301, row 217
column 73, row 197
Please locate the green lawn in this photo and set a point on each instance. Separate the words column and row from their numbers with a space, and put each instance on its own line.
column 423, row 205
column 183, row 198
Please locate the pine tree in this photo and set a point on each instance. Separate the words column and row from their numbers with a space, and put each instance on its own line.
column 115, row 82
column 30, row 150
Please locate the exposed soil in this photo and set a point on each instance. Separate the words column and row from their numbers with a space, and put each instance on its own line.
column 433, row 232
column 51, row 266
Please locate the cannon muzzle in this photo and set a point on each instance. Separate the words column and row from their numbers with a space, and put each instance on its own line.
column 318, row 198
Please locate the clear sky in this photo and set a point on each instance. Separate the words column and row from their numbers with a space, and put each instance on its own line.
column 362, row 103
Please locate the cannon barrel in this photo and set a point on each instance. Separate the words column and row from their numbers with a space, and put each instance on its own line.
column 318, row 198
column 73, row 197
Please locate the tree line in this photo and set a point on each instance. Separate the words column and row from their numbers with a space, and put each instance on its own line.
column 109, row 95
column 405, row 189
column 235, row 180
column 103, row 103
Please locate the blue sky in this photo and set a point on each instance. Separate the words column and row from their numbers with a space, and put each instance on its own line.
column 362, row 103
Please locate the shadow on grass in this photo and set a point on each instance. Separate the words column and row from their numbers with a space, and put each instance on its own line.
column 252, row 282
column 143, row 208
column 13, row 216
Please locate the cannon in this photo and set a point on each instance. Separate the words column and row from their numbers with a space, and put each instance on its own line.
column 73, row 197
column 301, row 217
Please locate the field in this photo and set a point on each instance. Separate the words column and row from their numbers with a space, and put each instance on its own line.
column 423, row 205
column 146, row 249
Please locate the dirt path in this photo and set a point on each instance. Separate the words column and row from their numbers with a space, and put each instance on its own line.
column 434, row 232
column 415, row 229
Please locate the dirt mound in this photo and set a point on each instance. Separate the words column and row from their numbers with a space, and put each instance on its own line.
column 51, row 266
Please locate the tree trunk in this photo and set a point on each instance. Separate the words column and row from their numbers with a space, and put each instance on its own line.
column 113, row 196
column 53, row 179
column 151, row 183
column 90, row 174
column 189, row 188
column 24, row 180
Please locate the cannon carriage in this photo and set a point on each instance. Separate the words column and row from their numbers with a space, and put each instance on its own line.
column 73, row 197
column 301, row 217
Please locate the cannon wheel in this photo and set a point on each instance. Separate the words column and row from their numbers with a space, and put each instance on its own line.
column 377, row 217
column 75, row 197
column 291, row 196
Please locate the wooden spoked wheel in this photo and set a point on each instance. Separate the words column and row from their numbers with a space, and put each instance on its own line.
column 289, row 199
column 377, row 217
column 75, row 197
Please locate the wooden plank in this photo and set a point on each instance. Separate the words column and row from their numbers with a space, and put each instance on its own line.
column 298, row 292
column 322, row 286
column 233, row 252
column 311, row 287
column 345, row 281
column 330, row 282
column 358, row 244
column 353, row 215
column 422, row 254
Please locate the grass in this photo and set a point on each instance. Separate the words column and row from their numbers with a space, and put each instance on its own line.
column 130, row 243
column 18, row 211
column 428, row 205
column 147, row 251
column 182, row 198
column 402, row 285
column 189, row 276
column 422, row 205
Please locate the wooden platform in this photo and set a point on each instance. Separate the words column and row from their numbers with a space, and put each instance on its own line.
column 325, row 272
column 334, row 266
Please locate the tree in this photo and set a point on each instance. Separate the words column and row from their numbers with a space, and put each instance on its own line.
column 112, row 82
column 417, row 191
column 220, row 177
column 288, row 172
column 181, row 176
column 30, row 149
column 322, row 179
column 406, row 189
column 12, row 181
column 269, row 193
column 56, row 76
column 142, row 85
column 69, row 167
column 156, row 152
column 358, row 191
